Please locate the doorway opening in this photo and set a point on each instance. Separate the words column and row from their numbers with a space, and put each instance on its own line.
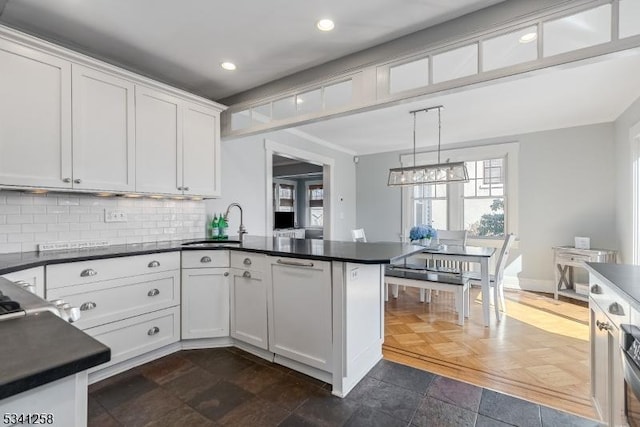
column 298, row 193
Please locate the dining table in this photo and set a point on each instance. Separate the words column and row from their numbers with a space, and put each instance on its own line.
column 471, row 254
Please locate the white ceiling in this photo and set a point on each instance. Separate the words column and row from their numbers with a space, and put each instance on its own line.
column 577, row 95
column 183, row 42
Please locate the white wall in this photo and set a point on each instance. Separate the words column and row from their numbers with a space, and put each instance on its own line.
column 624, row 187
column 29, row 219
column 243, row 181
column 566, row 188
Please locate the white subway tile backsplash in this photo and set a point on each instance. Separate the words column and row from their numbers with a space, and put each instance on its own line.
column 33, row 209
column 45, row 219
column 19, row 219
column 20, row 237
column 8, row 210
column 29, row 219
column 34, row 228
column 10, row 247
column 58, row 227
column 10, row 228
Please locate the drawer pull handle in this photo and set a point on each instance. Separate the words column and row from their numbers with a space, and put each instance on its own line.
column 88, row 272
column 595, row 289
column 246, row 274
column 295, row 263
column 247, row 261
column 226, row 274
column 205, row 259
column 154, row 264
column 88, row 306
column 616, row 309
column 151, row 332
column 153, row 292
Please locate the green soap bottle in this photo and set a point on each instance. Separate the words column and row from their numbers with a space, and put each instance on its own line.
column 222, row 228
column 214, row 227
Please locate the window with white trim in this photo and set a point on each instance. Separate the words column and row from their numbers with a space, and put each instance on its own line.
column 315, row 197
column 478, row 206
column 284, row 197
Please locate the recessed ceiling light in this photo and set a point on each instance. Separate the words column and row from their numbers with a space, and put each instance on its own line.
column 229, row 66
column 529, row 37
column 325, row 25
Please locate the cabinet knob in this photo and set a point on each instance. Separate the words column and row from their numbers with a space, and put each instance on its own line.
column 180, row 188
column 88, row 272
column 185, row 188
column 226, row 274
column 77, row 181
column 247, row 261
column 153, row 264
column 153, row 292
column 67, row 180
column 616, row 309
column 151, row 332
column 88, row 306
column 205, row 259
column 595, row 289
column 246, row 274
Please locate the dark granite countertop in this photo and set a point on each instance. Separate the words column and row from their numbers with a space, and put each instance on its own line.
column 326, row 250
column 625, row 277
column 44, row 348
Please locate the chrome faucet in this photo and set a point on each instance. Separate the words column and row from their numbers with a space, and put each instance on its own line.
column 241, row 230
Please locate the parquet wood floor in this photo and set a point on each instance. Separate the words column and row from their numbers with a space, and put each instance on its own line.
column 539, row 351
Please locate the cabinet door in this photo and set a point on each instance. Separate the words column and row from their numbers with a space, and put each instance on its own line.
column 205, row 303
column 103, row 131
column 158, row 142
column 249, row 307
column 35, row 118
column 300, row 311
column 201, row 151
column 599, row 340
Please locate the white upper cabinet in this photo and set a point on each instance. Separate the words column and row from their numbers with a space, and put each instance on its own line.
column 74, row 123
column 177, row 145
column 158, row 142
column 201, row 151
column 103, row 131
column 35, row 118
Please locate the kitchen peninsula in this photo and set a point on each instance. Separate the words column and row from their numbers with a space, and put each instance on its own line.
column 315, row 306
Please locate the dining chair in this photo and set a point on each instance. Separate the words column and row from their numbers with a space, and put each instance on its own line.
column 496, row 281
column 358, row 235
column 449, row 238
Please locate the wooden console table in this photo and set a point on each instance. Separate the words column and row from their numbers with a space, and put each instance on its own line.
column 566, row 259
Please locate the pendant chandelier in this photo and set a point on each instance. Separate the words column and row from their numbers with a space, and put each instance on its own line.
column 439, row 173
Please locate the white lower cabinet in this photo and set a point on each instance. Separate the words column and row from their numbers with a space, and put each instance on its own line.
column 205, row 294
column 249, row 307
column 138, row 335
column 130, row 304
column 34, row 277
column 300, row 311
column 606, row 312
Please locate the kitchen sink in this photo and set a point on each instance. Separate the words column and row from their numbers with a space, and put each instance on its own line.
column 213, row 243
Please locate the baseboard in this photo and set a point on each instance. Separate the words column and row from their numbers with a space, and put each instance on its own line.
column 125, row 365
column 305, row 369
column 194, row 344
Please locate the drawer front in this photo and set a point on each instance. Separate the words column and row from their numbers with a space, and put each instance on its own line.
column 138, row 335
column 31, row 276
column 205, row 259
column 616, row 308
column 568, row 258
column 75, row 273
column 248, row 261
column 118, row 299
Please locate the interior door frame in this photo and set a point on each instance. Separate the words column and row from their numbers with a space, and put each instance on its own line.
column 328, row 166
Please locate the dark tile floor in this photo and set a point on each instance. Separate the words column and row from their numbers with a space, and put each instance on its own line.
column 230, row 387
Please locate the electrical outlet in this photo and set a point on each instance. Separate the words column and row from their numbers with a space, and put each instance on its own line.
column 115, row 216
column 354, row 274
